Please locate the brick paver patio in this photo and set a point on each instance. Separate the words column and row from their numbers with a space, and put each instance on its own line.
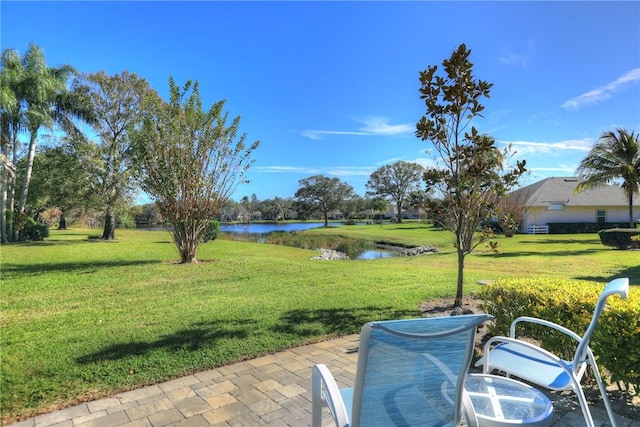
column 273, row 390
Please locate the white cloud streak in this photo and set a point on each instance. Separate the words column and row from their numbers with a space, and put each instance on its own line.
column 340, row 171
column 531, row 147
column 603, row 92
column 375, row 126
column 514, row 59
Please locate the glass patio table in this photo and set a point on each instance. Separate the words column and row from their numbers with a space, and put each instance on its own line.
column 500, row 401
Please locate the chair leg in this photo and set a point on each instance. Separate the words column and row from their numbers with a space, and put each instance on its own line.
column 603, row 392
column 316, row 399
column 584, row 405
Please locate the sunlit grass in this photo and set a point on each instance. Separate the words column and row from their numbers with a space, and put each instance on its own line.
column 83, row 318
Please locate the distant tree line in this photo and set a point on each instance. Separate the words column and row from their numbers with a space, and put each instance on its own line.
column 323, row 198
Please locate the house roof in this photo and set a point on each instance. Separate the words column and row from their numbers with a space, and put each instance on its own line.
column 562, row 190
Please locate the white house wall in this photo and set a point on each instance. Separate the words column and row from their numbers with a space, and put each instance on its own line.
column 542, row 216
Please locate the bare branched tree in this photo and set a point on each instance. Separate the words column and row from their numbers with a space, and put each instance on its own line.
column 192, row 160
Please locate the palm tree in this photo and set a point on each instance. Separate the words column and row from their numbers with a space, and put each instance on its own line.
column 615, row 157
column 42, row 88
column 33, row 96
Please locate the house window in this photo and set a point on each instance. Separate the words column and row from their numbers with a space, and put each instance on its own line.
column 555, row 206
column 601, row 217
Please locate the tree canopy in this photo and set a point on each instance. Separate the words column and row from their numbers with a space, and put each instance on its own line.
column 395, row 181
column 117, row 102
column 324, row 194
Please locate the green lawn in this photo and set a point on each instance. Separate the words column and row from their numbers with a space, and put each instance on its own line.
column 82, row 319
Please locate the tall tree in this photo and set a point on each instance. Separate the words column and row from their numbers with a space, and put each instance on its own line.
column 324, row 194
column 470, row 173
column 395, row 181
column 615, row 157
column 117, row 103
column 192, row 160
column 60, row 180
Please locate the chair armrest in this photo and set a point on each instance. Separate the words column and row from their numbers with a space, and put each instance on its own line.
column 528, row 362
column 525, row 319
column 539, row 351
column 323, row 380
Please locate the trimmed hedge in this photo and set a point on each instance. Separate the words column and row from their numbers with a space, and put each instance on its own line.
column 620, row 238
column 615, row 341
column 582, row 227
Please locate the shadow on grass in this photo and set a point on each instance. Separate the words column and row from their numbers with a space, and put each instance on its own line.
column 517, row 254
column 311, row 323
column 633, row 273
column 12, row 271
column 561, row 241
column 194, row 338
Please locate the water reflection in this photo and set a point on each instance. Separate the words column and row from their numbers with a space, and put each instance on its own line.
column 375, row 254
column 264, row 228
column 258, row 232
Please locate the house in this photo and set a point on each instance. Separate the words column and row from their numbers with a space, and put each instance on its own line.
column 554, row 200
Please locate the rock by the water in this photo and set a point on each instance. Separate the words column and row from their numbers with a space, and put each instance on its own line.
column 330, row 255
column 418, row 250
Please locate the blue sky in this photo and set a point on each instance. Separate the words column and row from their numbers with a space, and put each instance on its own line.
column 332, row 87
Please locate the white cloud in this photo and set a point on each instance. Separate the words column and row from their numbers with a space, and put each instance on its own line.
column 381, row 126
column 350, row 171
column 340, row 171
column 531, row 147
column 374, row 126
column 558, row 169
column 317, row 134
column 286, row 169
column 603, row 92
column 520, row 59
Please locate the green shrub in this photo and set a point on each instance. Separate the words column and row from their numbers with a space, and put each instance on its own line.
column 34, row 231
column 212, row 231
column 620, row 238
column 615, row 341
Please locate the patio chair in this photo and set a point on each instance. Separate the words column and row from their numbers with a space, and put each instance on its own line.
column 538, row 366
column 409, row 373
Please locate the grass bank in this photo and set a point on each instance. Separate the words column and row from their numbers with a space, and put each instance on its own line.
column 83, row 319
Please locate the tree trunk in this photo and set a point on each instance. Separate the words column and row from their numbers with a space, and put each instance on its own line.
column 631, row 224
column 109, row 232
column 3, row 208
column 12, row 192
column 326, row 218
column 62, row 224
column 460, row 287
column 5, row 140
column 27, row 171
column 398, row 207
column 187, row 238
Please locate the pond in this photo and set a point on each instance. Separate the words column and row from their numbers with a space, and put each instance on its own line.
column 265, row 228
column 258, row 232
